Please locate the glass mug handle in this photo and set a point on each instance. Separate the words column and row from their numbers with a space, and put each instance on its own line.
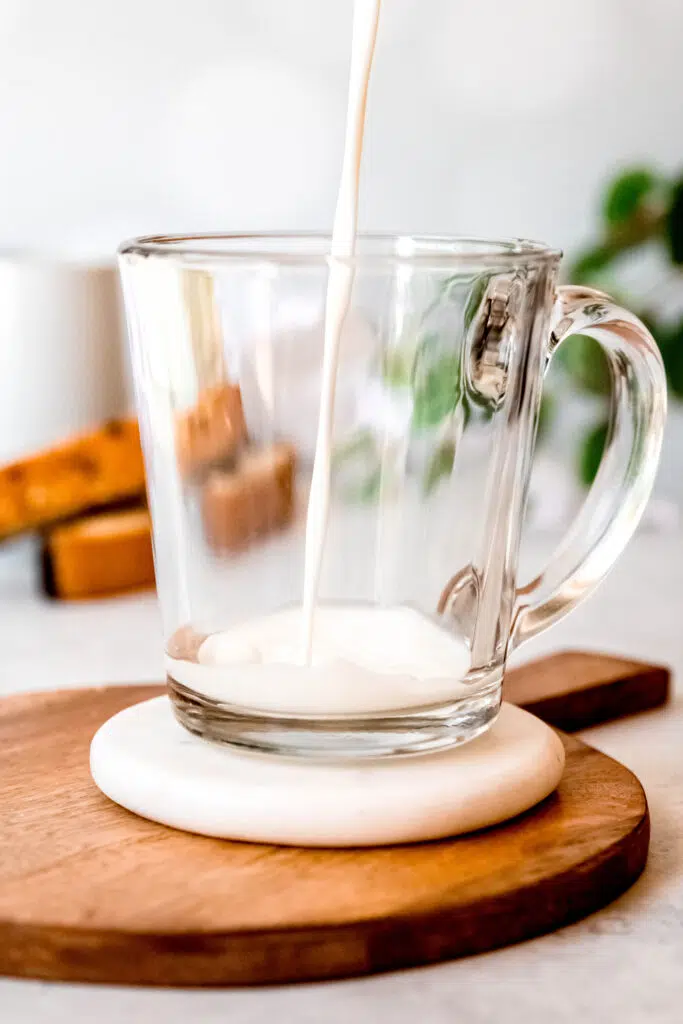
column 624, row 480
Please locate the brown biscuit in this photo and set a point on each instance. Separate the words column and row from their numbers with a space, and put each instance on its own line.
column 212, row 431
column 258, row 496
column 100, row 555
column 96, row 469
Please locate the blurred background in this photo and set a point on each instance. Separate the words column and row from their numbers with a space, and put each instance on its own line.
column 159, row 116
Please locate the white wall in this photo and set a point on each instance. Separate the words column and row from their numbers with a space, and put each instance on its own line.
column 119, row 117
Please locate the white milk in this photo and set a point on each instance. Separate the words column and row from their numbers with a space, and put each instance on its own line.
column 365, row 21
column 363, row 659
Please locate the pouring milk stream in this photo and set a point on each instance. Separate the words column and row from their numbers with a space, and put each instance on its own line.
column 332, row 659
column 365, row 21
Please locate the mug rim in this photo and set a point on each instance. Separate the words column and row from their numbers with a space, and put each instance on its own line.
column 315, row 247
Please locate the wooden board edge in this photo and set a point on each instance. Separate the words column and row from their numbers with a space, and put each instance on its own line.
column 607, row 702
column 329, row 952
column 643, row 686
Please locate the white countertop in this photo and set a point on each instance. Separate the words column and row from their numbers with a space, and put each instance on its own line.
column 623, row 964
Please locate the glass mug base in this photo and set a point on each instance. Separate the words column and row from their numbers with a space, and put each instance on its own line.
column 387, row 734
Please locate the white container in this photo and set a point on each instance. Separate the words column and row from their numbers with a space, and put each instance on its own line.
column 62, row 362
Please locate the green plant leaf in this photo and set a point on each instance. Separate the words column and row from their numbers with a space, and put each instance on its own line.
column 366, row 490
column 546, row 414
column 590, row 263
column 627, row 195
column 670, row 342
column 397, row 368
column 671, row 346
column 474, row 299
column 360, row 443
column 675, row 372
column 440, row 465
column 436, row 390
column 369, row 489
column 585, row 361
column 674, row 223
column 590, row 455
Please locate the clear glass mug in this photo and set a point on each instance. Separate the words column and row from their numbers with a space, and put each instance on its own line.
column 441, row 366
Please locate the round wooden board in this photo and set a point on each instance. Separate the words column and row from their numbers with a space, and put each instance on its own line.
column 89, row 892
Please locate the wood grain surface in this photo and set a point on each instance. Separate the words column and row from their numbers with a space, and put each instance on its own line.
column 576, row 689
column 90, row 892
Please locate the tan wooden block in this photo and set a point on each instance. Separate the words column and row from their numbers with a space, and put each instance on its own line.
column 100, row 555
column 249, row 502
column 212, row 431
column 99, row 468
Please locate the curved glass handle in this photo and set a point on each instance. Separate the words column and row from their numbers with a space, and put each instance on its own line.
column 622, row 486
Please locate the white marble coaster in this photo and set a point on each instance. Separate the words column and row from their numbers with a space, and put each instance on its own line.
column 145, row 761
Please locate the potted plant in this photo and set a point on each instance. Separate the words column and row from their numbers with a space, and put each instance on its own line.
column 637, row 258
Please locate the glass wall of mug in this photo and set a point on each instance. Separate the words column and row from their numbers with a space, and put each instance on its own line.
column 437, row 391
